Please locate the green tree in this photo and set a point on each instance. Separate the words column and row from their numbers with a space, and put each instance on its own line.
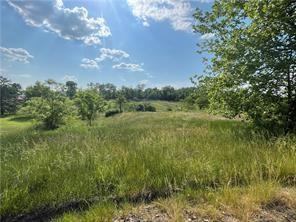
column 71, row 88
column 254, row 59
column 120, row 100
column 89, row 103
column 108, row 91
column 10, row 96
column 52, row 110
column 200, row 95
column 38, row 90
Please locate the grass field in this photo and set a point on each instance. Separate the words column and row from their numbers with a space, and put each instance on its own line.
column 174, row 158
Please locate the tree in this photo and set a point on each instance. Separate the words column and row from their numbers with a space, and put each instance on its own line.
column 52, row 110
column 168, row 93
column 254, row 59
column 71, row 89
column 89, row 102
column 120, row 100
column 10, row 96
column 38, row 90
column 108, row 91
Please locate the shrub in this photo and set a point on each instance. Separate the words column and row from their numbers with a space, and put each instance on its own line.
column 112, row 112
column 145, row 107
column 89, row 103
column 52, row 110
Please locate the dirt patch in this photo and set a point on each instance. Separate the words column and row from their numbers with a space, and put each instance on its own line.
column 276, row 211
column 272, row 212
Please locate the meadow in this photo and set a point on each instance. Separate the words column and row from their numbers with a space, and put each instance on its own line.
column 174, row 159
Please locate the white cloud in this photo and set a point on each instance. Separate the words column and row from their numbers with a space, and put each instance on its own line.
column 177, row 12
column 89, row 64
column 113, row 54
column 70, row 78
column 16, row 54
column 68, row 23
column 129, row 66
column 207, row 36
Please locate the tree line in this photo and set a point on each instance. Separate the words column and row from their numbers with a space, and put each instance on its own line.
column 52, row 103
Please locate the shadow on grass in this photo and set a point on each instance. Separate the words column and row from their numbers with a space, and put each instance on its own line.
column 20, row 118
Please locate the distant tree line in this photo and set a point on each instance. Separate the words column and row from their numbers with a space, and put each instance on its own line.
column 12, row 95
column 167, row 93
column 53, row 103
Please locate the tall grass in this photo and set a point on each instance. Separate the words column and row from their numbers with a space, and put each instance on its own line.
column 137, row 156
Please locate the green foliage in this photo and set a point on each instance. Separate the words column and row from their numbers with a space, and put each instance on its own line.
column 52, row 110
column 112, row 112
column 254, row 60
column 9, row 96
column 120, row 100
column 144, row 107
column 200, row 94
column 89, row 103
column 71, row 89
column 38, row 90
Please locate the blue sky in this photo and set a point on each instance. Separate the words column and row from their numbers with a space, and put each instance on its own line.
column 124, row 42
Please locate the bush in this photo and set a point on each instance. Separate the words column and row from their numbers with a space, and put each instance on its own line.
column 52, row 111
column 145, row 107
column 112, row 112
column 89, row 103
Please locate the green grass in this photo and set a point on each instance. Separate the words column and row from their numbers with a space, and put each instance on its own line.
column 134, row 155
column 14, row 123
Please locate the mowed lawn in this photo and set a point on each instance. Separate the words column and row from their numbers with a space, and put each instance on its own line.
column 134, row 157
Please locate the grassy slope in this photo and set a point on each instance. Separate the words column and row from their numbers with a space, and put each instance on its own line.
column 137, row 155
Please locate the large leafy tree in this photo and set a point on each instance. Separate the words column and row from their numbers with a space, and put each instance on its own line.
column 89, row 103
column 10, row 96
column 52, row 110
column 254, row 59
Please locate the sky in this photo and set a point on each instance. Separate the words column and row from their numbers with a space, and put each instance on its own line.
column 124, row 42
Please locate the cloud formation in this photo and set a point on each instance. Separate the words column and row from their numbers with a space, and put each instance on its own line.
column 113, row 54
column 68, row 23
column 177, row 12
column 16, row 54
column 129, row 66
column 89, row 64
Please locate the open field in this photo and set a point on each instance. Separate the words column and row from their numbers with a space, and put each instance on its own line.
column 203, row 163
